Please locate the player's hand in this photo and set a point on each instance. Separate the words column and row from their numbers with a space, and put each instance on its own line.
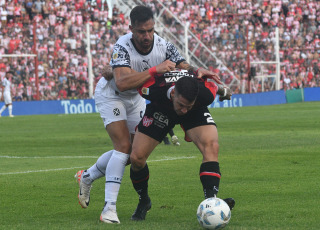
column 207, row 73
column 107, row 72
column 165, row 66
column 226, row 95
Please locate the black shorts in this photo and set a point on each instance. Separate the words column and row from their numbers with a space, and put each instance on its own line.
column 158, row 121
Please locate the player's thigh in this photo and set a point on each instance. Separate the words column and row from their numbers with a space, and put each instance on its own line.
column 119, row 134
column 135, row 112
column 202, row 130
column 114, row 115
column 7, row 98
column 111, row 110
column 142, row 147
column 206, row 139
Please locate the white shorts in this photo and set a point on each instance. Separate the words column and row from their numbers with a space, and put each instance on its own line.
column 112, row 107
column 7, row 98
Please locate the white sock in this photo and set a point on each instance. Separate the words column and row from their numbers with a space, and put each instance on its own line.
column 98, row 170
column 114, row 174
column 10, row 110
column 2, row 109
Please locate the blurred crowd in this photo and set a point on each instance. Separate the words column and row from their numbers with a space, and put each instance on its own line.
column 221, row 25
column 224, row 26
column 61, row 45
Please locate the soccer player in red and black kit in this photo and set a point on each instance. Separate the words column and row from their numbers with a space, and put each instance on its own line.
column 177, row 97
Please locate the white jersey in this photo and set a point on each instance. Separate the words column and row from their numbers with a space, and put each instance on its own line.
column 6, row 92
column 7, row 85
column 125, row 55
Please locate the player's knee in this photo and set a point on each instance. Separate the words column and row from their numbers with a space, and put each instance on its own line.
column 211, row 148
column 137, row 161
column 123, row 146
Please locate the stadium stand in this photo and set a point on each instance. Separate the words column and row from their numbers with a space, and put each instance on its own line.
column 221, row 25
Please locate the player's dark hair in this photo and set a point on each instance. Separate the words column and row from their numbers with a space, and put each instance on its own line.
column 188, row 88
column 140, row 14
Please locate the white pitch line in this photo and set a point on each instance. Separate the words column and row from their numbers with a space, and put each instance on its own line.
column 37, row 171
column 71, row 157
column 62, row 169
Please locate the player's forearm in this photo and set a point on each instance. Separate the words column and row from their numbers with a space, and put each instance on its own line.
column 131, row 80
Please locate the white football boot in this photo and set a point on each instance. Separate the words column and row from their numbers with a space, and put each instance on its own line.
column 109, row 216
column 84, row 190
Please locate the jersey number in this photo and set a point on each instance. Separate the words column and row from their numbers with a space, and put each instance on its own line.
column 209, row 118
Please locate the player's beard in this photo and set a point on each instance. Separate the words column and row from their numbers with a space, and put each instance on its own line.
column 146, row 44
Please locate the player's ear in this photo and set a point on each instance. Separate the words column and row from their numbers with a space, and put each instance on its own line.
column 172, row 93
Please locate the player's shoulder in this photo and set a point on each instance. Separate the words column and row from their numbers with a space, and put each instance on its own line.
column 124, row 39
column 124, row 44
column 159, row 40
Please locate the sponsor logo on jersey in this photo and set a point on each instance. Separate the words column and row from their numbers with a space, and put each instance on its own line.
column 145, row 91
column 146, row 121
column 161, row 120
column 115, row 56
column 174, row 76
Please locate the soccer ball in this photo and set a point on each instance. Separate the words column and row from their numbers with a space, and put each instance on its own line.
column 213, row 213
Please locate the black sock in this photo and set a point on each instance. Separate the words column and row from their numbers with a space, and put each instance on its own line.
column 171, row 133
column 140, row 182
column 210, row 178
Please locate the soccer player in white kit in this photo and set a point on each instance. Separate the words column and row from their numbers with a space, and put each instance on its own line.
column 6, row 87
column 136, row 57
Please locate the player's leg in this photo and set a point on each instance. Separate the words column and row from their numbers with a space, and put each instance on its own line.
column 142, row 147
column 151, row 132
column 112, row 113
column 3, row 108
column 119, row 134
column 206, row 139
column 166, row 141
column 205, row 136
column 87, row 177
column 201, row 129
column 10, row 110
column 8, row 102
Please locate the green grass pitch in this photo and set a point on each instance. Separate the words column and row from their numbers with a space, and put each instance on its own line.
column 269, row 159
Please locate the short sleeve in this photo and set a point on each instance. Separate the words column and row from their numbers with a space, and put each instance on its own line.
column 173, row 54
column 120, row 57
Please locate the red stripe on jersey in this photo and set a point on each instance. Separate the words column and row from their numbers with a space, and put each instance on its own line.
column 147, row 84
column 210, row 174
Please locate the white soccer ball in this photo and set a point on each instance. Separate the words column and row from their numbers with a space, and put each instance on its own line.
column 213, row 213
